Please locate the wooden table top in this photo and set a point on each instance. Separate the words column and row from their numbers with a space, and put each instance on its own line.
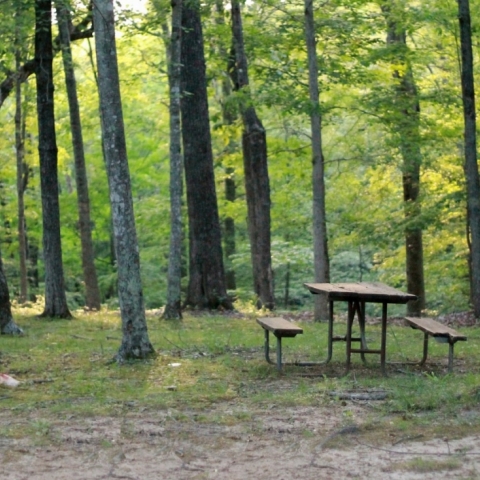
column 365, row 291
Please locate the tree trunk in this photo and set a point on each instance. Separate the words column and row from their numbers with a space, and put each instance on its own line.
column 55, row 298
column 22, row 172
column 229, row 117
column 7, row 325
column 471, row 164
column 320, row 238
column 257, row 184
column 206, row 287
column 135, row 340
column 408, row 130
column 173, row 306
column 92, row 291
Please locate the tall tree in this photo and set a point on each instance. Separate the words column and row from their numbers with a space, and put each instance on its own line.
column 257, row 183
column 406, row 122
column 320, row 239
column 173, row 306
column 135, row 340
column 470, row 142
column 22, row 168
column 92, row 291
column 55, row 298
column 229, row 115
column 206, row 287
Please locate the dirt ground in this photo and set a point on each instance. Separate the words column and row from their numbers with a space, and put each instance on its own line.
column 275, row 443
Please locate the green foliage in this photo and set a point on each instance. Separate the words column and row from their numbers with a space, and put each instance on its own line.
column 365, row 211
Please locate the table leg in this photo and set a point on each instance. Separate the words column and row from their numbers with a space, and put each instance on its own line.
column 330, row 332
column 351, row 315
column 279, row 354
column 383, row 348
column 361, row 321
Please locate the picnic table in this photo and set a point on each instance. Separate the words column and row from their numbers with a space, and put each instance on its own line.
column 357, row 295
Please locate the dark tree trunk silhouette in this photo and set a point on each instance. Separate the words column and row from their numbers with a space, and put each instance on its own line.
column 257, row 183
column 55, row 298
column 206, row 287
column 135, row 340
column 92, row 291
column 7, row 325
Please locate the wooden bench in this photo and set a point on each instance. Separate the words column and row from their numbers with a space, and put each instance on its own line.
column 441, row 333
column 280, row 328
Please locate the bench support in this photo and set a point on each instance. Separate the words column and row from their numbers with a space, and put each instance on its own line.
column 451, row 345
column 441, row 332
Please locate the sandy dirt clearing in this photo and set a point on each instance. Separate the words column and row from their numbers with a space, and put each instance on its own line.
column 275, row 443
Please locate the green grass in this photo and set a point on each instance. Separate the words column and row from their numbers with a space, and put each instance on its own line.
column 65, row 366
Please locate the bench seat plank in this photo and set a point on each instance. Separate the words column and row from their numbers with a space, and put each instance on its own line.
column 432, row 327
column 279, row 326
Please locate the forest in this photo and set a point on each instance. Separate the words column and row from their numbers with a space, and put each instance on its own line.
column 375, row 85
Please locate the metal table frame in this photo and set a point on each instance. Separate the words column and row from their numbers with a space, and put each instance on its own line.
column 357, row 295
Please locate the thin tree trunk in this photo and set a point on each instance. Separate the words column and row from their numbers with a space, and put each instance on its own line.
column 55, row 298
column 92, row 291
column 408, row 128
column 257, row 184
column 320, row 238
column 173, row 306
column 471, row 164
column 206, row 287
column 229, row 116
column 22, row 173
column 135, row 340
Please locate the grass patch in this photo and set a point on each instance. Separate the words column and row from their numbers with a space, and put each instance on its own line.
column 422, row 465
column 65, row 368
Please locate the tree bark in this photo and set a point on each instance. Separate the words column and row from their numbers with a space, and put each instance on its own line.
column 408, row 129
column 173, row 309
column 135, row 340
column 55, row 298
column 471, row 163
column 206, row 287
column 320, row 237
column 7, row 325
column 22, row 172
column 229, row 116
column 257, row 183
column 92, row 291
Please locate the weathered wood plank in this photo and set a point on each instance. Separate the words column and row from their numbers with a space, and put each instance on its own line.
column 279, row 326
column 432, row 327
column 364, row 291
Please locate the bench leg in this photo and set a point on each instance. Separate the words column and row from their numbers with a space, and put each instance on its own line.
column 450, row 356
column 279, row 350
column 267, row 346
column 425, row 349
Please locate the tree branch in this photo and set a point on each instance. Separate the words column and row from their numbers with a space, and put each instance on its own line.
column 28, row 68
